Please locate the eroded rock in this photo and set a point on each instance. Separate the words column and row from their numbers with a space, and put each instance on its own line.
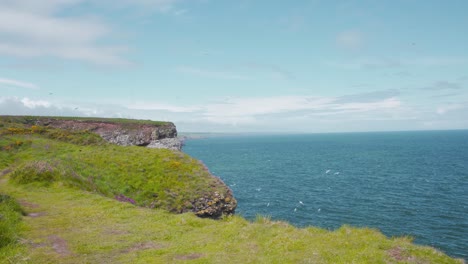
column 134, row 134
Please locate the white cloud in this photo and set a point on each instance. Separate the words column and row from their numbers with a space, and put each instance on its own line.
column 374, row 111
column 34, row 103
column 30, row 106
column 34, row 6
column 31, row 28
column 251, row 108
column 28, row 29
column 18, row 84
column 389, row 103
column 442, row 110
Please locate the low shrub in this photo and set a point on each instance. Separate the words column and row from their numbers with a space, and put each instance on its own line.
column 36, row 171
column 79, row 137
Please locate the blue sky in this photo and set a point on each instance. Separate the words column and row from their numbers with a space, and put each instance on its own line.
column 239, row 66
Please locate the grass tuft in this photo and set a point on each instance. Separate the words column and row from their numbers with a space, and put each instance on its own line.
column 10, row 217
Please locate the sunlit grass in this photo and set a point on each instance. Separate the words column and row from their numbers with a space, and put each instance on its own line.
column 156, row 178
column 30, row 120
column 96, row 229
column 69, row 183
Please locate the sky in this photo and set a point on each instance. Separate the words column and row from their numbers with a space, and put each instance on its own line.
column 240, row 66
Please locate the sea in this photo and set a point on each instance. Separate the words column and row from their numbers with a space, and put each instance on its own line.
column 402, row 183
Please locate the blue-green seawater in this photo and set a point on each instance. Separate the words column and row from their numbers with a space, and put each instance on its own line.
column 403, row 183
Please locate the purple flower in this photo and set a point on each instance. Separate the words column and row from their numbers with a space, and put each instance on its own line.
column 123, row 198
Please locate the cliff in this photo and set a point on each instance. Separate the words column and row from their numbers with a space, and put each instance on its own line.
column 124, row 132
column 155, row 178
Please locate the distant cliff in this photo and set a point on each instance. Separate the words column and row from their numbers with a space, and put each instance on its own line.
column 122, row 132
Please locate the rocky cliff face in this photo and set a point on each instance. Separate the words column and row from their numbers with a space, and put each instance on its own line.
column 217, row 204
column 151, row 135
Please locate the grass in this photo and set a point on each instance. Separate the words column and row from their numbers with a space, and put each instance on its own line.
column 152, row 178
column 88, row 201
column 68, row 225
column 10, row 216
column 30, row 120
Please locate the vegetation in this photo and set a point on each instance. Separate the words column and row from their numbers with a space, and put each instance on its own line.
column 30, row 120
column 151, row 178
column 10, row 217
column 78, row 195
column 72, row 226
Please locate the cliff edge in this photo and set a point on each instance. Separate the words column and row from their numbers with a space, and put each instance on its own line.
column 124, row 132
column 68, row 150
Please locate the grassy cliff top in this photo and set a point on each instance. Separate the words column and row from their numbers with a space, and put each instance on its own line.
column 66, row 225
column 33, row 119
column 155, row 178
column 70, row 197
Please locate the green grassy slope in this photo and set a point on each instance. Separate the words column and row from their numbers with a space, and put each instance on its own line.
column 67, row 184
column 152, row 178
column 73, row 226
column 30, row 120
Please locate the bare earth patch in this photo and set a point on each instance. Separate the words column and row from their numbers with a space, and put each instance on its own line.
column 59, row 245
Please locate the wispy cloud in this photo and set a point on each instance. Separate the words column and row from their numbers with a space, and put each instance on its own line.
column 378, row 110
column 442, row 110
column 17, row 84
column 31, row 29
column 368, row 97
column 30, row 32
column 34, row 106
column 248, row 109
